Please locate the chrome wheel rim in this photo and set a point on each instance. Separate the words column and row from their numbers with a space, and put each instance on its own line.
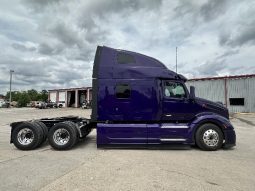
column 211, row 137
column 25, row 136
column 61, row 136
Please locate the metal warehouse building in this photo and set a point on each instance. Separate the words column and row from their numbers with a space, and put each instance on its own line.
column 237, row 93
column 71, row 97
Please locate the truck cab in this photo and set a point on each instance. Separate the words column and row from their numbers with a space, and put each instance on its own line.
column 140, row 102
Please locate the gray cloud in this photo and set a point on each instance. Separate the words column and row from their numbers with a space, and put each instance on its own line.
column 228, row 53
column 212, row 68
column 51, row 43
column 65, row 34
column 239, row 30
column 245, row 35
column 22, row 47
column 46, row 49
column 38, row 5
column 212, row 9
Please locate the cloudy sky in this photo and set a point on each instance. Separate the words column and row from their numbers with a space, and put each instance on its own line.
column 51, row 43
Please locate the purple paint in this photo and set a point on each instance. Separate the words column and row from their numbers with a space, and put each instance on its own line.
column 143, row 117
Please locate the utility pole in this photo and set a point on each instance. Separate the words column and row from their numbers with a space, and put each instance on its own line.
column 176, row 60
column 10, row 100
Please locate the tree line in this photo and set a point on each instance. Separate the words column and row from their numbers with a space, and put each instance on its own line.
column 24, row 97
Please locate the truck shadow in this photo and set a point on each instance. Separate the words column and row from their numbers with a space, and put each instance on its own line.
column 91, row 140
column 83, row 143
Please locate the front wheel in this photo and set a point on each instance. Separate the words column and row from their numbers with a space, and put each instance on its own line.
column 209, row 137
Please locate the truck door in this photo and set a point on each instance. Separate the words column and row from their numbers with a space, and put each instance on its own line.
column 176, row 106
column 177, row 111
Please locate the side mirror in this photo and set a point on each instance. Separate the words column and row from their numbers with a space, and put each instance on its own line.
column 192, row 93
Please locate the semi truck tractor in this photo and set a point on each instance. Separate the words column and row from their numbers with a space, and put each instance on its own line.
column 136, row 102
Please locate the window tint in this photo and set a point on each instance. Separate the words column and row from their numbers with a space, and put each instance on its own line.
column 123, row 91
column 236, row 101
column 124, row 58
column 174, row 90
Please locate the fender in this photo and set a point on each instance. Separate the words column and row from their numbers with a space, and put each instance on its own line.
column 13, row 126
column 208, row 117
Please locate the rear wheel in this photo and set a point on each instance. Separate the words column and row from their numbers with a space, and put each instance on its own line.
column 74, row 126
column 63, row 136
column 27, row 136
column 44, row 129
column 209, row 137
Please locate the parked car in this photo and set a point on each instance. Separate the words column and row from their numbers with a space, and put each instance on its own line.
column 4, row 104
column 51, row 105
column 29, row 104
column 32, row 104
column 13, row 104
column 61, row 104
column 41, row 105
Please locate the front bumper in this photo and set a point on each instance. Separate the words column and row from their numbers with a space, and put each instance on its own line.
column 230, row 138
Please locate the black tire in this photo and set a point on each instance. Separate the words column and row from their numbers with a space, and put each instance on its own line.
column 41, row 131
column 60, row 106
column 68, row 131
column 209, row 137
column 44, row 128
column 35, row 134
column 74, row 126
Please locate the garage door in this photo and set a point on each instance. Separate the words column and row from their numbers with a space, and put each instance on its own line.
column 62, row 96
column 53, row 96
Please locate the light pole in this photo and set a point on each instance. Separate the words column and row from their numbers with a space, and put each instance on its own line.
column 11, row 71
column 176, row 60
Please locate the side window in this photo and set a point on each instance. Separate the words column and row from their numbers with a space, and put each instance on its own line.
column 123, row 91
column 174, row 90
column 124, row 58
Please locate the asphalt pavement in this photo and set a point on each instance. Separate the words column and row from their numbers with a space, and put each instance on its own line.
column 87, row 168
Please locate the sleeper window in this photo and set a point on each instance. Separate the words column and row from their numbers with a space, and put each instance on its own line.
column 123, row 91
column 124, row 58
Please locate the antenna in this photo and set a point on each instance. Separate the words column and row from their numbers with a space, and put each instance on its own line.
column 176, row 60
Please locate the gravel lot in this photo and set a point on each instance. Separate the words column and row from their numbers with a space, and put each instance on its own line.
column 87, row 168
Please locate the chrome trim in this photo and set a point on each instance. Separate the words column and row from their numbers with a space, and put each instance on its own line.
column 172, row 139
column 61, row 136
column 211, row 138
column 25, row 136
column 175, row 126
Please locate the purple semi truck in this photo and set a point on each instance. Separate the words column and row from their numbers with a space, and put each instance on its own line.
column 136, row 102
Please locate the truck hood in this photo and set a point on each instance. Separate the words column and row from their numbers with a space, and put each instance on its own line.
column 213, row 107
